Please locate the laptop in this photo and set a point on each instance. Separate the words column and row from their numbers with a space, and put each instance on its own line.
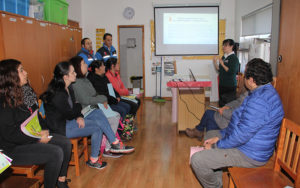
column 193, row 76
column 197, row 79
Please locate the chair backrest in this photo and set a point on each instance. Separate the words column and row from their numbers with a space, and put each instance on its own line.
column 288, row 151
column 240, row 84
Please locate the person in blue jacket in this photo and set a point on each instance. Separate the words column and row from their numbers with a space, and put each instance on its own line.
column 86, row 51
column 107, row 50
column 250, row 138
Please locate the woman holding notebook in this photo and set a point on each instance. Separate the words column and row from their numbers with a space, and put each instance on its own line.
column 17, row 103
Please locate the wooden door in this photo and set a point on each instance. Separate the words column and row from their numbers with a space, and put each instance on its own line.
column 43, row 56
column 78, row 37
column 10, row 36
column 71, row 42
column 55, row 44
column 19, row 39
column 29, row 54
column 288, row 71
column 1, row 40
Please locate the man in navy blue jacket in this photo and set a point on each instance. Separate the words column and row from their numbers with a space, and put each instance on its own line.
column 250, row 138
column 107, row 50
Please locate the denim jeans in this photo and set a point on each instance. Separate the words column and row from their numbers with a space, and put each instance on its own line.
column 122, row 107
column 208, row 121
column 95, row 125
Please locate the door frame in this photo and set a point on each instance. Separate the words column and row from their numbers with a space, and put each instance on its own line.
column 143, row 47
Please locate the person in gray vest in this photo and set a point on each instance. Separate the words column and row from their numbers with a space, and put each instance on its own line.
column 215, row 120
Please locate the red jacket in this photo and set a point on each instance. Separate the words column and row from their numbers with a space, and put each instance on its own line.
column 117, row 83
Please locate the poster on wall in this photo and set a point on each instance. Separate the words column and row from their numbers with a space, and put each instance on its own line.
column 169, row 68
column 99, row 37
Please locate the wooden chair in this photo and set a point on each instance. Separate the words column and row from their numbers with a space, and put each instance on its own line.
column 286, row 159
column 28, row 170
column 77, row 152
column 240, row 88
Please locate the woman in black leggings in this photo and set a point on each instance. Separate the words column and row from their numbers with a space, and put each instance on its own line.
column 17, row 103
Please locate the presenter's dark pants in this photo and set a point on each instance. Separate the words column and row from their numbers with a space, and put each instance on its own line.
column 226, row 95
column 55, row 155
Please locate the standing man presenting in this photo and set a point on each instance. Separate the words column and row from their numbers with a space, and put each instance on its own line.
column 86, row 51
column 107, row 50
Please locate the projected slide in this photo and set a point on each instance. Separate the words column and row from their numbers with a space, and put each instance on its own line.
column 185, row 28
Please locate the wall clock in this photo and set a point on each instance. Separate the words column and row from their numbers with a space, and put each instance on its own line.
column 128, row 13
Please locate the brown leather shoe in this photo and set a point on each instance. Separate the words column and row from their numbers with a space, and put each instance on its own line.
column 194, row 133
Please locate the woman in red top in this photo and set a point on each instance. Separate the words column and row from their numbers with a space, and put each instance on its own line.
column 112, row 73
column 114, row 77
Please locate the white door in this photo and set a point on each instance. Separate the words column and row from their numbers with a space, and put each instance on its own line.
column 131, row 53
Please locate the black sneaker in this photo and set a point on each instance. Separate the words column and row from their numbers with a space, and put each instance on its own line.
column 108, row 154
column 98, row 164
column 121, row 148
column 60, row 184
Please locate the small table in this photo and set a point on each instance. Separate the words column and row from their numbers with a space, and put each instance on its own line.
column 191, row 99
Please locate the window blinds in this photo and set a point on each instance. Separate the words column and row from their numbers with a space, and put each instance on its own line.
column 258, row 22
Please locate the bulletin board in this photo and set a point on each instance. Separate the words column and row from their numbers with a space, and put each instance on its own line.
column 99, row 37
column 152, row 36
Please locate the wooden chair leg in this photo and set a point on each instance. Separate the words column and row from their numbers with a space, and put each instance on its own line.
column 30, row 173
column 76, row 158
column 231, row 184
column 85, row 145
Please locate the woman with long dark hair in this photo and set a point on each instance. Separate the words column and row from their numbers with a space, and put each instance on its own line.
column 17, row 103
column 228, row 69
column 64, row 115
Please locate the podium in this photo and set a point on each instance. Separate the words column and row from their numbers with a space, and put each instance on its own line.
column 188, row 101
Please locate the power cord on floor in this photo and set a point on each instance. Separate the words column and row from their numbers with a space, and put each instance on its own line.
column 193, row 94
column 186, row 103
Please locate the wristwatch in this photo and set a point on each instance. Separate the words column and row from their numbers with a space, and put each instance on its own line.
column 213, row 146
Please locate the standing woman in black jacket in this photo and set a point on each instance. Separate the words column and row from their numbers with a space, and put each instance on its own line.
column 17, row 103
column 228, row 68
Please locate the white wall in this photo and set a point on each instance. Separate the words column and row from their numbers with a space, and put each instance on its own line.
column 109, row 14
column 244, row 7
column 74, row 12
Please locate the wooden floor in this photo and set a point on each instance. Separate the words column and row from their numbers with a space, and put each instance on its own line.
column 161, row 158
